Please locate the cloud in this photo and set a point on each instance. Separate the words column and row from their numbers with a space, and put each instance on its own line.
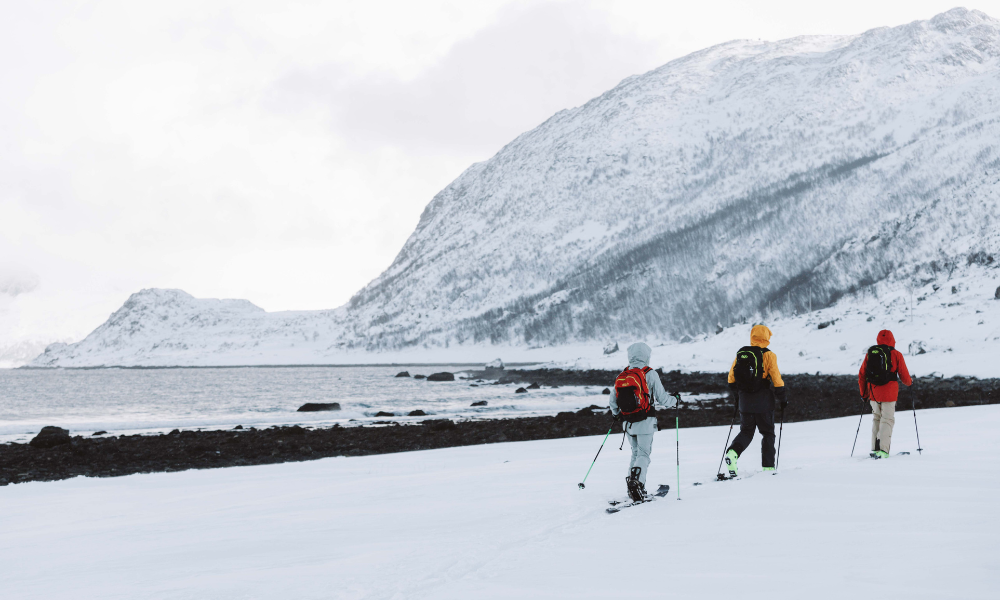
column 14, row 282
column 502, row 81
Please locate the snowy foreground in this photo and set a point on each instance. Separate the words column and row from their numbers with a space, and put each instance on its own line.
column 507, row 520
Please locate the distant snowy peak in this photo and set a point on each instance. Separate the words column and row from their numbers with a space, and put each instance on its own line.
column 158, row 327
column 746, row 179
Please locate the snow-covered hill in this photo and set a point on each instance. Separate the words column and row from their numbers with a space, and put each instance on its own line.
column 748, row 179
column 507, row 521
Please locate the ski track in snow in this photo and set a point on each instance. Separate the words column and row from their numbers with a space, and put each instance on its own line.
column 506, row 520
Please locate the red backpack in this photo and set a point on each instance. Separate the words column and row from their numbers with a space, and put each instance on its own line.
column 632, row 395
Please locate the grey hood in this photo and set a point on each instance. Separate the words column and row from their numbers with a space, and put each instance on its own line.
column 638, row 355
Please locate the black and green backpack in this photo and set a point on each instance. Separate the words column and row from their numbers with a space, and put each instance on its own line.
column 749, row 369
column 878, row 365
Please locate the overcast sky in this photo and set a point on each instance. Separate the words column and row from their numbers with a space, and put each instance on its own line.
column 282, row 151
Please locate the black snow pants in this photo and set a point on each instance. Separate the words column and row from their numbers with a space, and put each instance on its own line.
column 763, row 422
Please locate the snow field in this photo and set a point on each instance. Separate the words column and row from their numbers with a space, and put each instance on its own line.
column 507, row 520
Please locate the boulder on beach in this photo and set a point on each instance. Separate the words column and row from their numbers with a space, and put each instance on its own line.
column 420, row 377
column 319, row 406
column 534, row 386
column 611, row 348
column 479, row 403
column 403, row 374
column 606, row 392
column 382, row 413
column 441, row 377
column 101, row 432
column 494, row 365
column 49, row 437
column 417, row 413
column 520, row 391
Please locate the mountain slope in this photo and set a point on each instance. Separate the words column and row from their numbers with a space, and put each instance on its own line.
column 699, row 192
column 746, row 179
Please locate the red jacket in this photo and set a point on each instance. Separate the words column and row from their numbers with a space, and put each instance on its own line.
column 889, row 391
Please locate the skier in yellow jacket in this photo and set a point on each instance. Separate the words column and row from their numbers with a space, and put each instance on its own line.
column 751, row 378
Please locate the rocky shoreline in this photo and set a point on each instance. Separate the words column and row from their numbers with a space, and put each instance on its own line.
column 810, row 397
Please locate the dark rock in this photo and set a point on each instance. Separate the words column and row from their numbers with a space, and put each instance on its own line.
column 175, row 432
column 417, row 413
column 101, row 432
column 382, row 413
column 611, row 348
column 473, row 385
column 996, row 294
column 719, row 328
column 403, row 374
column 318, row 406
column 949, row 404
column 50, row 437
column 238, row 427
column 420, row 377
column 440, row 424
column 441, row 377
column 520, row 391
column 954, row 289
column 607, row 392
column 534, row 386
column 479, row 403
column 686, row 339
column 826, row 324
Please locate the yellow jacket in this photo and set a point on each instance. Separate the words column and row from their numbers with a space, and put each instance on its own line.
column 760, row 336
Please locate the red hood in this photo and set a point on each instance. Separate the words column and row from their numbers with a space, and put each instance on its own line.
column 885, row 338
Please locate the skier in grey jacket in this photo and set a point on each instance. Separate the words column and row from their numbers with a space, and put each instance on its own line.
column 640, row 434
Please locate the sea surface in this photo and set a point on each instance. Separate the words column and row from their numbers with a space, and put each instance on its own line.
column 126, row 401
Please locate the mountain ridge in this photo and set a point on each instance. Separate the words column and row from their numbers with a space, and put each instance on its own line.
column 705, row 191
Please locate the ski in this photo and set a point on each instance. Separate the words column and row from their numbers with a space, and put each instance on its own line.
column 724, row 477
column 618, row 505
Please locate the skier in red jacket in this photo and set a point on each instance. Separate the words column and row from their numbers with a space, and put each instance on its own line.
column 879, row 385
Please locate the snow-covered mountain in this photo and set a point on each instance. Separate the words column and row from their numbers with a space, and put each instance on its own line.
column 747, row 179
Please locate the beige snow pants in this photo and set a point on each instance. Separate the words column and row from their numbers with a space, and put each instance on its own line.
column 884, row 417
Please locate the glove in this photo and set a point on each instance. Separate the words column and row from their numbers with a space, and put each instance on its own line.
column 779, row 393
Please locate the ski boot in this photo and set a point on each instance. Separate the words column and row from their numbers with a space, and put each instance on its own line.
column 731, row 457
column 879, row 454
column 636, row 490
column 766, row 469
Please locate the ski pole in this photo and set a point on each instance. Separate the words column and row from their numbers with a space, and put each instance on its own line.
column 731, row 423
column 780, row 429
column 859, row 427
column 677, row 426
column 580, row 485
column 913, row 403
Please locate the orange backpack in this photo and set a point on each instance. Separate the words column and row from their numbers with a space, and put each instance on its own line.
column 632, row 395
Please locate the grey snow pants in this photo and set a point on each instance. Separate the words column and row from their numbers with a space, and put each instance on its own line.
column 642, row 448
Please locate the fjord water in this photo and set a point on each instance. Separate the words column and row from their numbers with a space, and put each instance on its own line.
column 147, row 400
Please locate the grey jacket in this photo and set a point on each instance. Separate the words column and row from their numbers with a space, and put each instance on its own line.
column 638, row 357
